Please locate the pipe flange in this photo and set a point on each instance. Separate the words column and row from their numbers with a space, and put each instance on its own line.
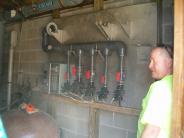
column 51, row 28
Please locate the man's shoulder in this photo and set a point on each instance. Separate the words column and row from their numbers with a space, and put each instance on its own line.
column 162, row 86
column 165, row 80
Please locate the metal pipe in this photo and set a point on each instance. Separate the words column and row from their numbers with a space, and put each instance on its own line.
column 60, row 79
column 68, row 66
column 50, row 70
column 10, row 67
column 122, row 65
column 50, row 45
column 92, row 66
column 102, row 94
column 119, row 92
column 106, row 66
column 79, row 65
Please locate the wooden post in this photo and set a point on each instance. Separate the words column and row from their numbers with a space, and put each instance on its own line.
column 178, row 79
column 93, row 123
column 98, row 5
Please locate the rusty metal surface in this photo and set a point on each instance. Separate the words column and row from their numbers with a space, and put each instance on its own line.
column 19, row 124
column 15, row 4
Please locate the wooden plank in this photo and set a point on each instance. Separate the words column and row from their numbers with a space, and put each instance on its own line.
column 93, row 123
column 178, row 79
column 91, row 104
column 98, row 5
column 117, row 109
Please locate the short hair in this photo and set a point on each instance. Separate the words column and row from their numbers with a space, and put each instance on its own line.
column 168, row 49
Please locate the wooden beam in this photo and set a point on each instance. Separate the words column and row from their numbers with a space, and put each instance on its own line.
column 93, row 123
column 178, row 79
column 91, row 104
column 98, row 5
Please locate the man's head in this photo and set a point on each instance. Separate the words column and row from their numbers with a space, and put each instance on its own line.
column 161, row 62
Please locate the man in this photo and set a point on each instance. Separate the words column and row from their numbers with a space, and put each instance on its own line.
column 155, row 118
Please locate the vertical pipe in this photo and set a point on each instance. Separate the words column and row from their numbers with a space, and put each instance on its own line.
column 106, row 66
column 60, row 79
column 92, row 66
column 10, row 67
column 68, row 67
column 50, row 70
column 122, row 66
column 79, row 66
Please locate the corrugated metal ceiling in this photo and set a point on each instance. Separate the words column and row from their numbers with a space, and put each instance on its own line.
column 29, row 8
column 15, row 4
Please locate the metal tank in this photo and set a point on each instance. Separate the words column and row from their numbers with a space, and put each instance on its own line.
column 19, row 124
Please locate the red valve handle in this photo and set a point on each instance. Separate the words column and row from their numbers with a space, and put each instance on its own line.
column 74, row 71
column 118, row 76
column 88, row 74
column 102, row 79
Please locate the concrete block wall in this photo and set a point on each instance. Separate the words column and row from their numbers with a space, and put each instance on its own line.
column 4, row 70
column 74, row 119
column 168, row 22
column 31, row 63
column 72, row 122
column 115, row 125
column 29, row 58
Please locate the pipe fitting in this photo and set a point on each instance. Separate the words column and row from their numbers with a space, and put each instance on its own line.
column 51, row 28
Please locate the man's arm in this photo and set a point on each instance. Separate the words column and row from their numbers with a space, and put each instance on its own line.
column 150, row 131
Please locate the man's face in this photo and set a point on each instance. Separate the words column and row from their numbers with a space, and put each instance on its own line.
column 159, row 65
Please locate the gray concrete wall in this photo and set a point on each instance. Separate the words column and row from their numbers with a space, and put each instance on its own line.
column 31, row 64
column 2, row 92
column 115, row 125
column 168, row 22
column 74, row 119
column 1, row 45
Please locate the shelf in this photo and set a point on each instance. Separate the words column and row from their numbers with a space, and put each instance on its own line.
column 92, row 104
